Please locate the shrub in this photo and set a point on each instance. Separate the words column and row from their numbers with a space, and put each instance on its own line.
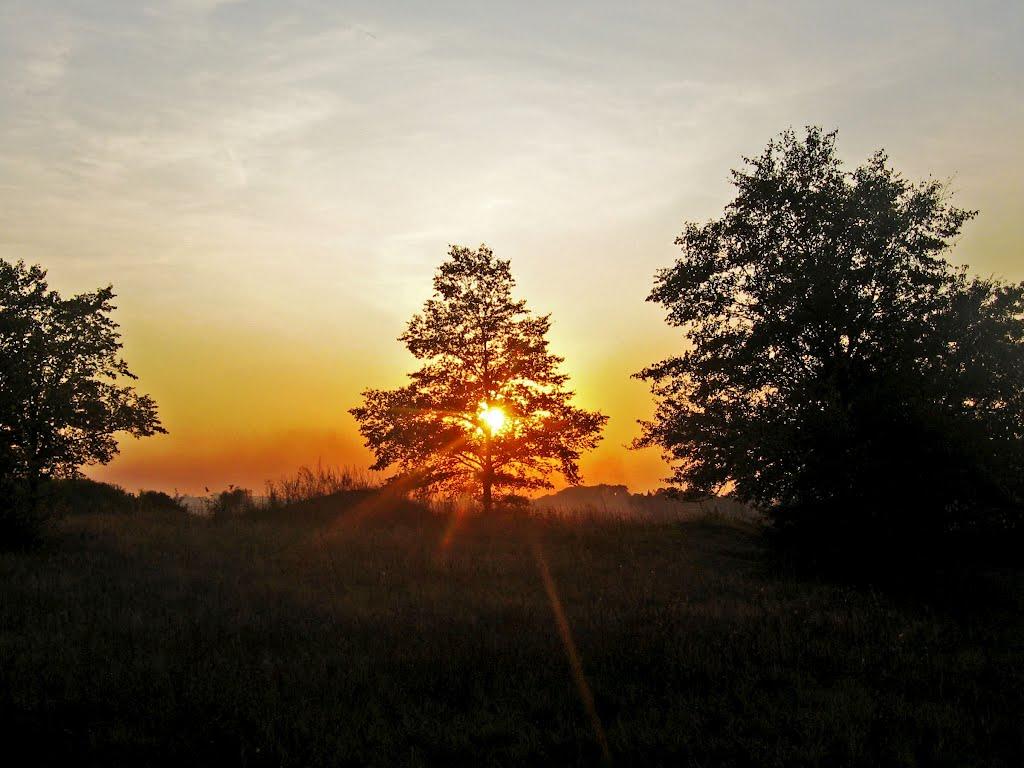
column 158, row 501
column 232, row 503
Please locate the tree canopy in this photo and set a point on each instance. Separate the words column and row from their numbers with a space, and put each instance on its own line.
column 488, row 412
column 64, row 389
column 838, row 367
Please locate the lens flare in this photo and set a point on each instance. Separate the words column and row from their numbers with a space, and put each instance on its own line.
column 493, row 418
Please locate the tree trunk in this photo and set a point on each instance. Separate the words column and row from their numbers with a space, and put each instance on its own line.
column 488, row 478
column 488, row 502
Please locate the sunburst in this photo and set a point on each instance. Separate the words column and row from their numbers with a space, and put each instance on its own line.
column 492, row 417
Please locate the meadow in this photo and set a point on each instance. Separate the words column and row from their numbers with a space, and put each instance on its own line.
column 347, row 631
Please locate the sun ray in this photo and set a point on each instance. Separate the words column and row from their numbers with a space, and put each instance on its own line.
column 572, row 654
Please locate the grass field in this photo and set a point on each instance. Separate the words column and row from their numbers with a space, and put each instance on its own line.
column 400, row 639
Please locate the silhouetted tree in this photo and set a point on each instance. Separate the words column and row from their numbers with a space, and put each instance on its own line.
column 840, row 372
column 489, row 409
column 63, row 395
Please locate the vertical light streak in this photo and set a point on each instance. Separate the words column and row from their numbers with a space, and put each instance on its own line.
column 572, row 654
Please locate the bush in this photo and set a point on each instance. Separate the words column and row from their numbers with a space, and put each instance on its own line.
column 232, row 503
column 24, row 513
column 158, row 501
column 83, row 496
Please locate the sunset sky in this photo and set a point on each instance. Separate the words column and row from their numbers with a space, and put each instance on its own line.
column 271, row 185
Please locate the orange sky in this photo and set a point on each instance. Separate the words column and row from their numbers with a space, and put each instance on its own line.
column 270, row 186
column 246, row 406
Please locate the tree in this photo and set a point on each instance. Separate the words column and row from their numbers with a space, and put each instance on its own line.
column 63, row 391
column 840, row 372
column 488, row 410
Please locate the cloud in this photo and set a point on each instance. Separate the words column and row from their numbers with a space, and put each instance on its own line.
column 45, row 66
column 35, row 50
column 264, row 165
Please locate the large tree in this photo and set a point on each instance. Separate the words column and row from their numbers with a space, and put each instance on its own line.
column 839, row 369
column 488, row 412
column 65, row 392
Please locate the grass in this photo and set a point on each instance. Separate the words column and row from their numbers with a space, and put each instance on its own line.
column 391, row 639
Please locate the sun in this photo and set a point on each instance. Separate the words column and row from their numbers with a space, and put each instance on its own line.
column 493, row 417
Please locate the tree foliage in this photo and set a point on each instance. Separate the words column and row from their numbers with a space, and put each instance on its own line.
column 839, row 369
column 481, row 349
column 64, row 391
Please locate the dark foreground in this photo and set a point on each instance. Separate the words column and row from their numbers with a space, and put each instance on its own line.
column 156, row 640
